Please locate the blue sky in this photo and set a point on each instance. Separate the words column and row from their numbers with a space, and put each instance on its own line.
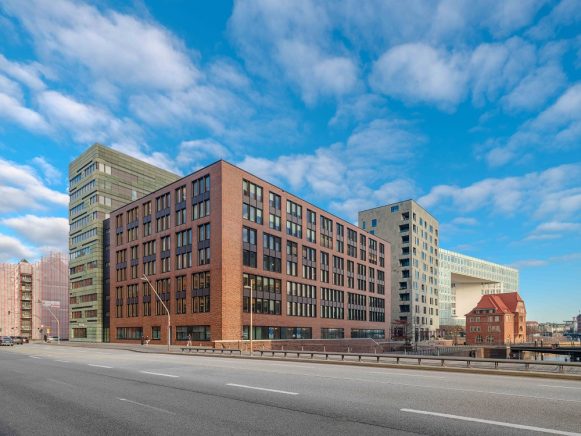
column 473, row 108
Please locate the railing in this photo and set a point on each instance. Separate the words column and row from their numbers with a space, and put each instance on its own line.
column 210, row 349
column 398, row 358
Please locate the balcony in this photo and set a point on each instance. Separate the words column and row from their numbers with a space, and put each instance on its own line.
column 26, row 297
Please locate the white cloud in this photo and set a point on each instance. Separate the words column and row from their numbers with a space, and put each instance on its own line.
column 48, row 233
column 51, row 174
column 418, row 72
column 86, row 123
column 464, row 221
column 535, row 89
column 13, row 110
column 21, row 188
column 11, row 249
column 27, row 74
column 113, row 46
column 557, row 127
column 554, row 230
column 196, row 153
column 536, row 263
column 292, row 39
column 553, row 192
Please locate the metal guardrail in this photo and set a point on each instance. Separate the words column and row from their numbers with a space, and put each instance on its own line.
column 213, row 350
column 399, row 357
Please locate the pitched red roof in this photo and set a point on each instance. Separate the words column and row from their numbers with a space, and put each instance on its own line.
column 502, row 303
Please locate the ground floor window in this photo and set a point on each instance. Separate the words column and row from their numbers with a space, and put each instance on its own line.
column 332, row 333
column 156, row 333
column 195, row 332
column 368, row 333
column 129, row 332
column 79, row 333
column 265, row 332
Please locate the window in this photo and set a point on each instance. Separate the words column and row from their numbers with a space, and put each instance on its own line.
column 119, row 229
column 326, row 232
column 130, row 333
column 155, row 333
column 251, row 202
column 357, row 307
column 338, row 271
column 162, row 212
column 324, row 267
column 350, row 274
column 271, row 253
column 351, row 243
column 294, row 215
column 274, row 203
column 268, row 287
column 163, row 289
column 291, row 258
column 132, row 301
column 184, row 249
column 149, row 256
column 132, row 224
column 147, row 219
column 311, row 226
column 249, row 247
column 301, row 300
column 363, row 247
column 201, row 292
column 180, row 205
column 121, row 266
column 381, row 255
column 165, row 254
column 332, row 304
column 368, row 333
column 119, row 302
column 394, row 208
column 146, row 299
column 195, row 332
column 309, row 263
column 204, row 244
column 181, row 295
column 376, row 309
column 201, row 197
column 374, row 222
column 340, row 236
column 361, row 277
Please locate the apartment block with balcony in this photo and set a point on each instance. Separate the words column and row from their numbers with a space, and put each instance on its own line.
column 413, row 233
column 100, row 180
column 221, row 242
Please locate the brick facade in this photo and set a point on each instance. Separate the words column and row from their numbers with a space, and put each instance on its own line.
column 497, row 319
column 227, row 318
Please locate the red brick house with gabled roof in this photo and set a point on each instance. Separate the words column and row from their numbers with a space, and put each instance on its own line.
column 497, row 319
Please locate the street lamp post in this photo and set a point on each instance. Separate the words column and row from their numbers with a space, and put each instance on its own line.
column 145, row 279
column 251, row 287
column 58, row 323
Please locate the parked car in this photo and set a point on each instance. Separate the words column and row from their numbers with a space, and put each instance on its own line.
column 52, row 339
column 6, row 341
column 17, row 340
column 25, row 339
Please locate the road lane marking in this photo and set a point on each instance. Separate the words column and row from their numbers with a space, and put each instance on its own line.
column 35, row 357
column 146, row 405
column 487, row 421
column 261, row 389
column 100, row 366
column 406, row 374
column 562, row 387
column 159, row 373
column 62, row 361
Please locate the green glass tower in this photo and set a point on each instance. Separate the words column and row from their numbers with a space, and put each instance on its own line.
column 100, row 180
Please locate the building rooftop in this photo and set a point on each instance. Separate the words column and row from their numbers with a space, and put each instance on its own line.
column 503, row 303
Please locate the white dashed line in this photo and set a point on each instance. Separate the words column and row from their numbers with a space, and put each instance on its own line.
column 262, row 389
column 145, row 405
column 160, row 374
column 100, row 366
column 487, row 421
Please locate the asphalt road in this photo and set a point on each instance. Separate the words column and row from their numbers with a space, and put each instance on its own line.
column 46, row 390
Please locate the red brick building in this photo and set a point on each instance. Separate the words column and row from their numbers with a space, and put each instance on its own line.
column 497, row 319
column 205, row 239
